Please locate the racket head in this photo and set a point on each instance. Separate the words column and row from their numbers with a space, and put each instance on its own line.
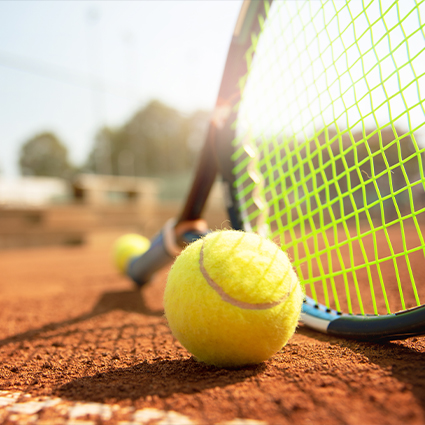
column 325, row 154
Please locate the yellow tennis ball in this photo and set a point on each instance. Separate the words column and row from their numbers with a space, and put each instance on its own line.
column 232, row 299
column 127, row 247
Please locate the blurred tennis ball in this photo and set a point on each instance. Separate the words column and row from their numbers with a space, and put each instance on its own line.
column 233, row 299
column 127, row 247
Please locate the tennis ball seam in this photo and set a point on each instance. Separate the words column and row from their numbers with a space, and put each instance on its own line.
column 233, row 301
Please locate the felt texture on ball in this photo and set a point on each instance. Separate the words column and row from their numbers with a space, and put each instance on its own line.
column 127, row 247
column 233, row 299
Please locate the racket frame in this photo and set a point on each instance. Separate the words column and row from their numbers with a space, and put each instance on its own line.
column 317, row 316
column 216, row 153
column 215, row 159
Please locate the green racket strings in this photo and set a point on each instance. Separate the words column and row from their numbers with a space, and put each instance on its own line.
column 329, row 151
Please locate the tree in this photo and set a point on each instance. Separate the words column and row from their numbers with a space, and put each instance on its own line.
column 197, row 127
column 157, row 140
column 100, row 159
column 45, row 155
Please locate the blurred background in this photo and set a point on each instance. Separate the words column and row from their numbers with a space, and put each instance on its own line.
column 104, row 106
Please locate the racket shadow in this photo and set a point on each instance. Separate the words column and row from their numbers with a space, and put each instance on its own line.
column 128, row 301
column 161, row 378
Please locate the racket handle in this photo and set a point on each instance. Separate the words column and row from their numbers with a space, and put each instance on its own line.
column 164, row 248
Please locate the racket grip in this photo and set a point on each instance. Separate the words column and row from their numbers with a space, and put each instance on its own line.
column 164, row 248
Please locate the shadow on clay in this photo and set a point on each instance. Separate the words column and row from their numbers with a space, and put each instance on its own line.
column 161, row 378
column 404, row 363
column 130, row 301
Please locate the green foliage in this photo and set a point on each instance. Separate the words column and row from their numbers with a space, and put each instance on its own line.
column 45, row 155
column 157, row 140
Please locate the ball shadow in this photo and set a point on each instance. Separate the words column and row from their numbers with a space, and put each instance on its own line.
column 161, row 378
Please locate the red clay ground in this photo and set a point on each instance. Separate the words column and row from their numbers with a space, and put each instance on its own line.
column 78, row 345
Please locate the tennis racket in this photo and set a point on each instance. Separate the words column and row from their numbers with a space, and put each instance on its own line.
column 318, row 134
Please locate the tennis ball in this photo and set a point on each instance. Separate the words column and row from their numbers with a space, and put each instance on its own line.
column 232, row 299
column 127, row 247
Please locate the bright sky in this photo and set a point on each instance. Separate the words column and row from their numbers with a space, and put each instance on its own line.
column 377, row 77
column 55, row 57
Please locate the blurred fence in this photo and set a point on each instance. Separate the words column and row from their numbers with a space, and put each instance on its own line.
column 40, row 214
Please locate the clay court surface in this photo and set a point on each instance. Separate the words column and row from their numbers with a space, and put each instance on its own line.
column 79, row 346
